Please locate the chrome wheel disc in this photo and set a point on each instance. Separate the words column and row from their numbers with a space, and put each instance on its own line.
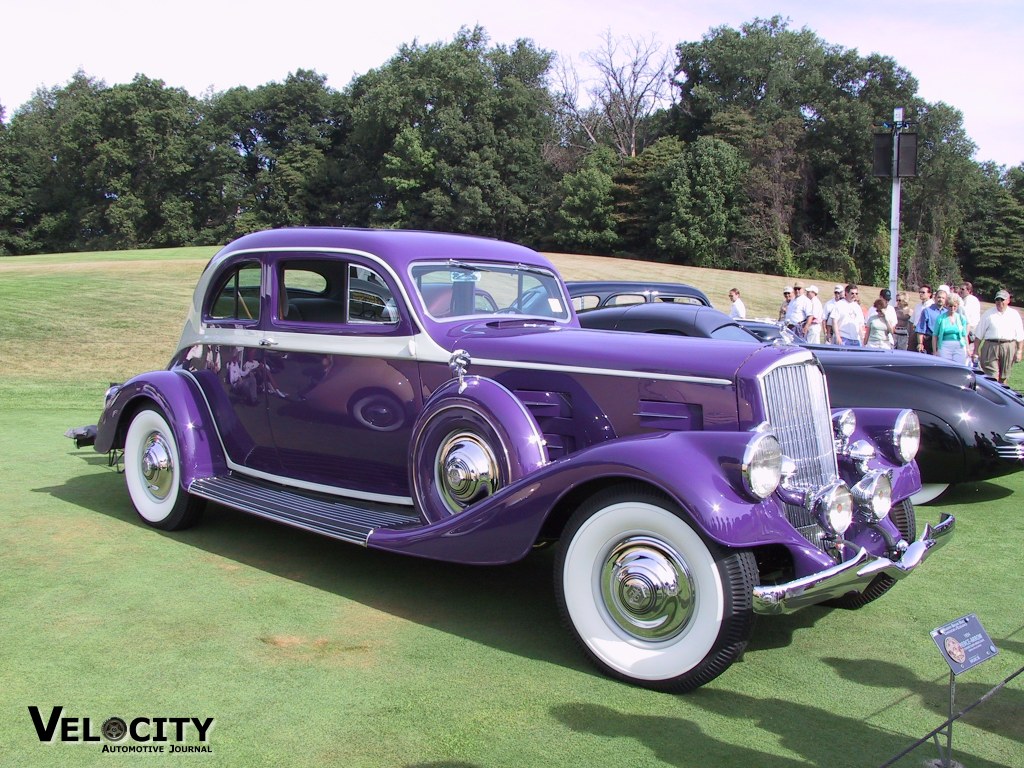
column 467, row 470
column 157, row 466
column 647, row 589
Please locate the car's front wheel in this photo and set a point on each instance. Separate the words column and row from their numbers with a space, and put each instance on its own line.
column 152, row 470
column 649, row 600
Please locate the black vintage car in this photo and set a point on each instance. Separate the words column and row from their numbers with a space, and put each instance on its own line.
column 598, row 294
column 972, row 428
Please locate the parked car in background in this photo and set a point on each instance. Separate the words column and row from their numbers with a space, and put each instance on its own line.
column 972, row 427
column 434, row 395
column 597, row 294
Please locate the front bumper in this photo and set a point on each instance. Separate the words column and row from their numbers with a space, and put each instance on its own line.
column 854, row 575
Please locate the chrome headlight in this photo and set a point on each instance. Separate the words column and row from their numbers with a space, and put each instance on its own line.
column 762, row 465
column 906, row 436
column 834, row 509
column 873, row 494
column 844, row 423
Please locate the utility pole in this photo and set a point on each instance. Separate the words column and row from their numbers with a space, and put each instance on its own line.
column 895, row 156
column 894, row 216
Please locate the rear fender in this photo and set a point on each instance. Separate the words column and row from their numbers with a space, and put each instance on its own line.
column 472, row 438
column 182, row 403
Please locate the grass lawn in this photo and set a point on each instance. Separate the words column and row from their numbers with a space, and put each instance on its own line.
column 307, row 651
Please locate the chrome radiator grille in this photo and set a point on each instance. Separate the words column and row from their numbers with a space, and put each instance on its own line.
column 796, row 405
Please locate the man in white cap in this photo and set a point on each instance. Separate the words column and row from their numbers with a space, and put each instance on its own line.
column 826, row 318
column 787, row 297
column 798, row 310
column 1001, row 334
column 812, row 326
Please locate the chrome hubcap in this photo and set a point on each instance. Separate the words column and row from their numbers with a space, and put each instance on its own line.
column 157, row 466
column 467, row 470
column 647, row 589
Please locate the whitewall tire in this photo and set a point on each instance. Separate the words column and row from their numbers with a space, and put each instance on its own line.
column 152, row 470
column 649, row 600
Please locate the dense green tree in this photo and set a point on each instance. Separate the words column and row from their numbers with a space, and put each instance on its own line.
column 697, row 215
column 801, row 112
column 12, row 203
column 585, row 220
column 640, row 185
column 284, row 137
column 763, row 164
column 937, row 203
column 991, row 244
column 451, row 136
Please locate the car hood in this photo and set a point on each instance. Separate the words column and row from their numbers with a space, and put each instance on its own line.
column 596, row 350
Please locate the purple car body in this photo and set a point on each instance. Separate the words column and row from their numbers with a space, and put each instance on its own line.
column 434, row 395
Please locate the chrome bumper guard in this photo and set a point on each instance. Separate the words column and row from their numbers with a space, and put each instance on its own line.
column 854, row 575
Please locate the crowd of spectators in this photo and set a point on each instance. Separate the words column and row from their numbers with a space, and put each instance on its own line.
column 947, row 324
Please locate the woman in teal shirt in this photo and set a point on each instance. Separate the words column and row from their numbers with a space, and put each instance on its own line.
column 949, row 340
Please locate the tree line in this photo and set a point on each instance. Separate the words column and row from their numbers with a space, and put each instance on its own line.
column 750, row 149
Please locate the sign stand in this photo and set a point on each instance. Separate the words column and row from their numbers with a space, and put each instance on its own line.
column 963, row 643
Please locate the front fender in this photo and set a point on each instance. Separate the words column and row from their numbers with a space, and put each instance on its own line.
column 698, row 470
column 186, row 411
column 876, row 426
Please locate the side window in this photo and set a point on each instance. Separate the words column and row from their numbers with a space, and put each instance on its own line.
column 586, row 302
column 680, row 300
column 625, row 299
column 369, row 298
column 304, row 291
column 332, row 291
column 237, row 296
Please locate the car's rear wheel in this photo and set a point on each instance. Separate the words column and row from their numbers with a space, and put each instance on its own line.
column 649, row 600
column 472, row 439
column 152, row 470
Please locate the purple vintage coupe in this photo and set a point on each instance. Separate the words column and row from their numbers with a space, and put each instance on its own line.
column 434, row 395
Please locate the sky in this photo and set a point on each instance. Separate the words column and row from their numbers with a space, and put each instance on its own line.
column 966, row 53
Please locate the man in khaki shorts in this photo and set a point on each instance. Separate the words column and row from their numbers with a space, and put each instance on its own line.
column 1001, row 334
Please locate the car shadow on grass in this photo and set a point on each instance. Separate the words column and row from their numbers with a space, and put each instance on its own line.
column 971, row 493
column 673, row 740
column 822, row 737
column 1002, row 714
column 510, row 607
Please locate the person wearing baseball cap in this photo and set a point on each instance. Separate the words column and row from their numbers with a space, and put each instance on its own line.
column 787, row 296
column 1001, row 334
column 797, row 310
column 812, row 325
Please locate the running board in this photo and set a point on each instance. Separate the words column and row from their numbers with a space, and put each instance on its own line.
column 319, row 514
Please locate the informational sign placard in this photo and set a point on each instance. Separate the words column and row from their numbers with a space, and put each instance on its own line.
column 964, row 643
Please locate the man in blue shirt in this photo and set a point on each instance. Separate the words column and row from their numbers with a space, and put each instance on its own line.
column 926, row 324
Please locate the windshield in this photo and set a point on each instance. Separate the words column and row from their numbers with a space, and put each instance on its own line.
column 456, row 289
column 733, row 333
